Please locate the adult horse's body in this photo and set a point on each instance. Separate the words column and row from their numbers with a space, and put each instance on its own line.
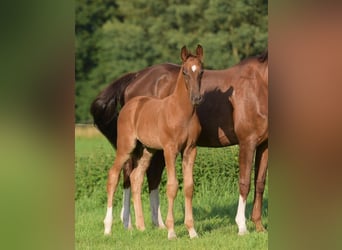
column 234, row 111
column 147, row 124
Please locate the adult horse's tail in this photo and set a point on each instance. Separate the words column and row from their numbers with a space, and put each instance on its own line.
column 106, row 106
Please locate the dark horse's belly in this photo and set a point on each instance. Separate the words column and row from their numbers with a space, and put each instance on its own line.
column 216, row 117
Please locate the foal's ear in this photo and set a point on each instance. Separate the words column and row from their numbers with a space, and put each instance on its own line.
column 184, row 53
column 199, row 52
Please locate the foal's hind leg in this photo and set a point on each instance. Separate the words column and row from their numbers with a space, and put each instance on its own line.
column 245, row 164
column 112, row 182
column 137, row 178
column 125, row 146
column 261, row 162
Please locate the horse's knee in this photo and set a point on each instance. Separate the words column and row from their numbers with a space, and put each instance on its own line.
column 113, row 170
column 136, row 179
column 172, row 189
column 188, row 189
column 113, row 174
column 260, row 187
column 244, row 188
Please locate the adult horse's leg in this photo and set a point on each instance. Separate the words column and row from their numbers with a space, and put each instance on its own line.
column 154, row 174
column 246, row 153
column 127, row 170
column 261, row 163
column 137, row 178
column 112, row 182
column 189, row 157
column 170, row 154
column 125, row 211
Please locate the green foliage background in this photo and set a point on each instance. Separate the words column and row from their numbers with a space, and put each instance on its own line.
column 114, row 37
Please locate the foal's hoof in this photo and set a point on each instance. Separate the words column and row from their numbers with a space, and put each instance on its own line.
column 141, row 228
column 107, row 232
column 193, row 234
column 171, row 235
column 107, row 228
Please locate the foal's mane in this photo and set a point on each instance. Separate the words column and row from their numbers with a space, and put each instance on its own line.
column 190, row 55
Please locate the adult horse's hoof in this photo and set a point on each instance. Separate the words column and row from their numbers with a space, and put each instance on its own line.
column 260, row 228
column 244, row 232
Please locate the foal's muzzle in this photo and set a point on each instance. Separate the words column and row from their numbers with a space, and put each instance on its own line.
column 197, row 99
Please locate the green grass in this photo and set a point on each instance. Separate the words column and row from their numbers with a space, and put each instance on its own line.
column 214, row 204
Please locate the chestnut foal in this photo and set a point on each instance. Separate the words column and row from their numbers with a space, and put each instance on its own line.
column 152, row 124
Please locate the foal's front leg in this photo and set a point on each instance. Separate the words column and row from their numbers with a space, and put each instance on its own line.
column 189, row 157
column 172, row 187
column 112, row 182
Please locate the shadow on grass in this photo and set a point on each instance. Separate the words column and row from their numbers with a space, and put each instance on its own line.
column 221, row 216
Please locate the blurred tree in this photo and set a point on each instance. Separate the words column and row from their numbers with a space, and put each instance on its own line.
column 116, row 37
column 90, row 16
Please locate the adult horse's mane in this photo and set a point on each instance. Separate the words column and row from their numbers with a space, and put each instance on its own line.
column 263, row 57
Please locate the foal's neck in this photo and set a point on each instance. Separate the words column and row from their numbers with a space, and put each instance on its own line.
column 181, row 95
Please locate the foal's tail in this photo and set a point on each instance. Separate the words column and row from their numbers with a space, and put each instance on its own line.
column 106, row 106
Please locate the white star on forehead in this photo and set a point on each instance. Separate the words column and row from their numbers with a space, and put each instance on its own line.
column 193, row 68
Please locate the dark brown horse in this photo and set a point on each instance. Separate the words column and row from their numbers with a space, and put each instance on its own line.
column 234, row 111
column 169, row 124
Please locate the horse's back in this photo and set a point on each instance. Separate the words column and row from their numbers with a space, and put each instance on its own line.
column 140, row 116
column 158, row 80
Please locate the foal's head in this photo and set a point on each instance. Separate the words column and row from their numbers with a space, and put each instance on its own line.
column 192, row 72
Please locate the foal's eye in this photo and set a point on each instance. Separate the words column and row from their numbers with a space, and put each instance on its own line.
column 184, row 72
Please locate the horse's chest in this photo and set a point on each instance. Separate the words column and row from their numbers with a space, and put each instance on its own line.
column 181, row 133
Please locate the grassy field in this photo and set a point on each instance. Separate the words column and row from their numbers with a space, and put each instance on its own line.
column 214, row 203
